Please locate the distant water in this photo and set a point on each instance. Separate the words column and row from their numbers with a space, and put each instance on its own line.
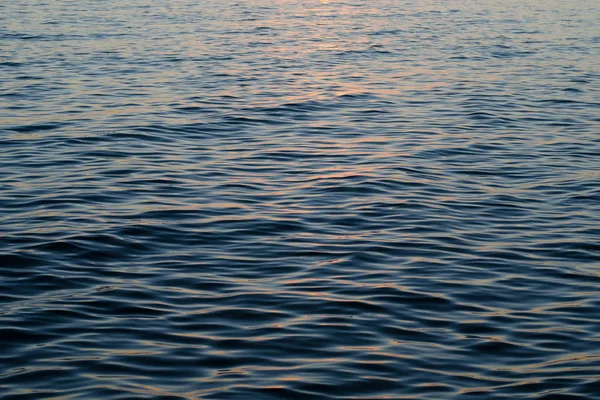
column 286, row 199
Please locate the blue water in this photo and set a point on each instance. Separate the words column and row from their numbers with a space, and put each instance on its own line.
column 300, row 199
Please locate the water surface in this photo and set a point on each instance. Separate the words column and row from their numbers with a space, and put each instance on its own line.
column 300, row 199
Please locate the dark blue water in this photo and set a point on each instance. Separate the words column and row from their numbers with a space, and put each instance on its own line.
column 300, row 199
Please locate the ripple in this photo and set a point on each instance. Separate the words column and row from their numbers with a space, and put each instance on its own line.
column 297, row 201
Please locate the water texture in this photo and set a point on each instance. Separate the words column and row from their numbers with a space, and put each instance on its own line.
column 300, row 199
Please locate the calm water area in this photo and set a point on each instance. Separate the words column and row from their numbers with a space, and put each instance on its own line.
column 300, row 199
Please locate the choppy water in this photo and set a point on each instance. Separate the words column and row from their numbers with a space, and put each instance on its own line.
column 300, row 199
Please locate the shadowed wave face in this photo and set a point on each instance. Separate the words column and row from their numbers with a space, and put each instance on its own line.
column 300, row 199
